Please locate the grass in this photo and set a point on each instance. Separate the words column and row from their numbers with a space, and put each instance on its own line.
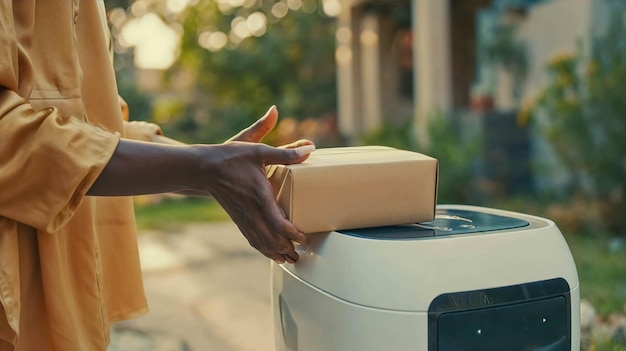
column 176, row 212
column 601, row 271
column 605, row 345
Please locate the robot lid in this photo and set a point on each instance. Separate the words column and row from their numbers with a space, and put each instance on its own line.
column 466, row 248
column 447, row 222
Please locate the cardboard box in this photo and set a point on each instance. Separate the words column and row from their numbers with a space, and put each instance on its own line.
column 356, row 187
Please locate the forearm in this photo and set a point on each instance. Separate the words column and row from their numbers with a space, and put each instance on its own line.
column 233, row 172
column 138, row 168
column 169, row 141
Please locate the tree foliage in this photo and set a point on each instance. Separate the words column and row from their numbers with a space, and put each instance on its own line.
column 212, row 92
column 291, row 65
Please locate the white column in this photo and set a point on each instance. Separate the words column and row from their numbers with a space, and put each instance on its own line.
column 370, row 72
column 431, row 51
column 344, row 57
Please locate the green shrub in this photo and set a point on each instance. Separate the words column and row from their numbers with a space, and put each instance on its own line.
column 582, row 113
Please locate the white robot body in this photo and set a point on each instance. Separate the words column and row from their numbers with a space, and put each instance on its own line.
column 473, row 279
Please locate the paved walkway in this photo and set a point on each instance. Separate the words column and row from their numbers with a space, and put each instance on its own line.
column 207, row 290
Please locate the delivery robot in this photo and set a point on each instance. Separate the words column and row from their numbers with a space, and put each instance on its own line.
column 473, row 279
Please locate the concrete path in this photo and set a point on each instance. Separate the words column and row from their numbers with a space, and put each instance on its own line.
column 207, row 290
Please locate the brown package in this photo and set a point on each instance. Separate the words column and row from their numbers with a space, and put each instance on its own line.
column 356, row 187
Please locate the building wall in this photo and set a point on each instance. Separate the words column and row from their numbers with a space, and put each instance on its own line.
column 552, row 28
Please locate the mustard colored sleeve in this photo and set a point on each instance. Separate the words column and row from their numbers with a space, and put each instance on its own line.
column 47, row 162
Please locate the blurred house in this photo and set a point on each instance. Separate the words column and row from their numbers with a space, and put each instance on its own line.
column 406, row 60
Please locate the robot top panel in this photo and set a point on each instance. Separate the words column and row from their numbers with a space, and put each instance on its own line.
column 447, row 222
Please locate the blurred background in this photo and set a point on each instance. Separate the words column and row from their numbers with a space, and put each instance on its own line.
column 522, row 101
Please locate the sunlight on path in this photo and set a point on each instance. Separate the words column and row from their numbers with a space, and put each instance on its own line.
column 207, row 290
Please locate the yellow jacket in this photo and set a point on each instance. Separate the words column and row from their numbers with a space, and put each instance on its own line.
column 68, row 262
